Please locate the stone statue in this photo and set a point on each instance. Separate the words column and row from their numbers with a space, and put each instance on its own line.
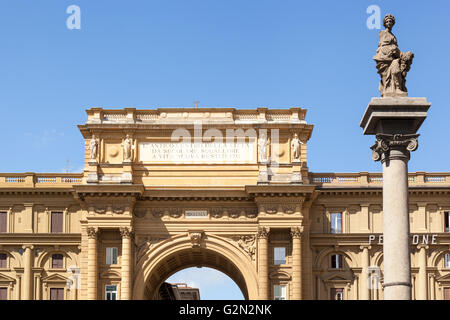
column 127, row 146
column 93, row 147
column 392, row 64
column 295, row 147
column 263, row 142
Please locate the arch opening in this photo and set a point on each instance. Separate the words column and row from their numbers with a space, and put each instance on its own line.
column 188, row 258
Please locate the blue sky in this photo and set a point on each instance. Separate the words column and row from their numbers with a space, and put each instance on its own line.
column 224, row 53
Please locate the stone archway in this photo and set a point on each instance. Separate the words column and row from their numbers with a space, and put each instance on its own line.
column 180, row 252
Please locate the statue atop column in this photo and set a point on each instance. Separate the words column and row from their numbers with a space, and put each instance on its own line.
column 93, row 148
column 392, row 64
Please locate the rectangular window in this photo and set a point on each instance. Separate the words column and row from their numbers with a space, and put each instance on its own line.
column 2, row 221
column 336, row 261
column 57, row 261
column 3, row 260
column 447, row 221
column 279, row 292
column 3, row 293
column 56, row 293
column 111, row 293
column 111, row 255
column 446, row 293
column 336, row 222
column 279, row 255
column 447, row 260
column 57, row 222
column 337, row 294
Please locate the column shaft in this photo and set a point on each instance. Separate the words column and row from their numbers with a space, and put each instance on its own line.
column 396, row 248
column 422, row 281
column 92, row 264
column 365, row 290
column 126, row 264
column 27, row 273
column 263, row 268
column 296, row 264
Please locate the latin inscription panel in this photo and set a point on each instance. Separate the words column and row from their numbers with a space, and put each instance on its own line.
column 197, row 152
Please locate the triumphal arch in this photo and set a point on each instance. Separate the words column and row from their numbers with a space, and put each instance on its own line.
column 169, row 188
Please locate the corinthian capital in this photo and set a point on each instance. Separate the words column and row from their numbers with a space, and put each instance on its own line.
column 263, row 233
column 92, row 232
column 402, row 143
column 296, row 232
column 126, row 232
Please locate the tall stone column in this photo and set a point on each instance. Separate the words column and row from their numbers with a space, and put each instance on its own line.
column 92, row 264
column 27, row 272
column 263, row 263
column 297, row 263
column 395, row 121
column 126, row 234
column 422, row 281
column 394, row 156
column 365, row 262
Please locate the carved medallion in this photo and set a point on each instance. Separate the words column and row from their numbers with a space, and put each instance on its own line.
column 196, row 238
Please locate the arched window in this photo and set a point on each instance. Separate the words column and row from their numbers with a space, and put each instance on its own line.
column 3, row 258
column 447, row 260
column 57, row 261
column 336, row 261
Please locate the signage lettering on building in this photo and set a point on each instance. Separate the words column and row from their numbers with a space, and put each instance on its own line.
column 197, row 152
column 415, row 239
column 196, row 214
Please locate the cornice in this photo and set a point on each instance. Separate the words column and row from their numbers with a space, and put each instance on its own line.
column 108, row 190
column 40, row 238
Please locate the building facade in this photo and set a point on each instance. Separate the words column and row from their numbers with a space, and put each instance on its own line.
column 167, row 189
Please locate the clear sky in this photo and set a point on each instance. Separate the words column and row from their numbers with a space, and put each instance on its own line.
column 223, row 53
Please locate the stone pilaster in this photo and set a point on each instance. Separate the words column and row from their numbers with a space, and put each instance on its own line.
column 127, row 235
column 297, row 283
column 422, row 276
column 263, row 263
column 27, row 272
column 92, row 263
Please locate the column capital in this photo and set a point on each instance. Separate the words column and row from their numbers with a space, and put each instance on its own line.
column 28, row 246
column 296, row 232
column 365, row 246
column 92, row 232
column 126, row 232
column 263, row 232
column 394, row 146
column 423, row 246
